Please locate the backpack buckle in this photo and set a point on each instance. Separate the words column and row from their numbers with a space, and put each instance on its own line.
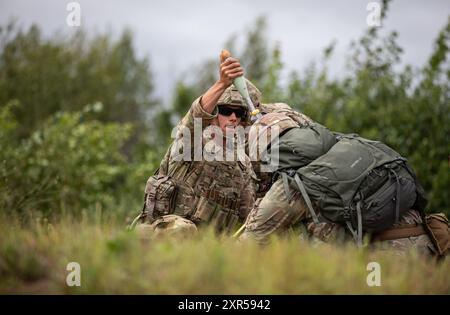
column 291, row 172
column 346, row 214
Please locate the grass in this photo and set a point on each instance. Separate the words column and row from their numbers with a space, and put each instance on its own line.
column 33, row 259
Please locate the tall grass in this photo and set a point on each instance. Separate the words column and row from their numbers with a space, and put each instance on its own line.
column 33, row 259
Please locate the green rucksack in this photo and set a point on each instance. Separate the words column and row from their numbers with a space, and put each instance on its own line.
column 299, row 146
column 361, row 183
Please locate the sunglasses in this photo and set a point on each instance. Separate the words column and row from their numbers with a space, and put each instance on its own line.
column 227, row 111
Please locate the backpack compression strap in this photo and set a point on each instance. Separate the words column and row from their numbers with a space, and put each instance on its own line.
column 397, row 196
column 286, row 186
column 357, row 235
column 306, row 198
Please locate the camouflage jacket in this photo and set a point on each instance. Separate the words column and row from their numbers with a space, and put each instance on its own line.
column 282, row 116
column 207, row 191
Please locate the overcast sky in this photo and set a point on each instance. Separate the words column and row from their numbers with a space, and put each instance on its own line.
column 177, row 34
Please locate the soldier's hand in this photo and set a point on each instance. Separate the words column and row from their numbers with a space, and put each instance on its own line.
column 229, row 70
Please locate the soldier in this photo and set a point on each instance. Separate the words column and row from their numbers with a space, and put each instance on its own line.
column 273, row 212
column 408, row 234
column 215, row 191
column 284, row 117
column 279, row 211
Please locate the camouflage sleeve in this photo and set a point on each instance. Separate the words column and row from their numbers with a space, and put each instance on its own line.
column 164, row 165
column 197, row 111
column 186, row 129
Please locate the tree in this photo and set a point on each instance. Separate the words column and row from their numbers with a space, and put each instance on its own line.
column 49, row 75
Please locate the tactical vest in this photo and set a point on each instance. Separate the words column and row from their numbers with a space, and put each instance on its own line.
column 285, row 109
column 280, row 120
column 201, row 191
column 258, row 141
column 301, row 119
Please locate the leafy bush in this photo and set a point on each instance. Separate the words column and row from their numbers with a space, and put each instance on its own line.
column 70, row 163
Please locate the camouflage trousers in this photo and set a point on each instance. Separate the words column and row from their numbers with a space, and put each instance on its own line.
column 336, row 233
column 421, row 243
column 274, row 214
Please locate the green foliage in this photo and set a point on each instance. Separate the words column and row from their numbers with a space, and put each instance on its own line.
column 57, row 154
column 66, row 166
column 50, row 75
column 115, row 261
column 255, row 56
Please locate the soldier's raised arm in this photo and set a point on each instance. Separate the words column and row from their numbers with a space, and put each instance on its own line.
column 229, row 70
column 204, row 107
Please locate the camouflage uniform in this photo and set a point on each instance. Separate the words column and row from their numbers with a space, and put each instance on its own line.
column 215, row 192
column 284, row 117
column 336, row 233
column 276, row 212
column 421, row 243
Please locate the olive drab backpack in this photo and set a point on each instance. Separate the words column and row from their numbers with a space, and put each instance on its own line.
column 300, row 146
column 297, row 146
column 295, row 142
column 360, row 183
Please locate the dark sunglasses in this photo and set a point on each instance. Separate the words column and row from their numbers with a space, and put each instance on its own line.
column 227, row 111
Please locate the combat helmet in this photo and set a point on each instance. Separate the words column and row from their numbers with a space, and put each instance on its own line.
column 272, row 107
column 231, row 96
column 170, row 225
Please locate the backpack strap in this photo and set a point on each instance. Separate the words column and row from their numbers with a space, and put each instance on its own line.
column 421, row 200
column 359, row 217
column 352, row 230
column 306, row 198
column 284, row 178
column 397, row 195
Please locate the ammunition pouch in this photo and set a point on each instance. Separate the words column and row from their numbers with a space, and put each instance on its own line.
column 438, row 227
column 222, row 211
column 160, row 196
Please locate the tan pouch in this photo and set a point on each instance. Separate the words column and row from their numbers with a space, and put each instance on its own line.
column 439, row 228
column 232, row 223
column 204, row 211
column 161, row 193
column 219, row 221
